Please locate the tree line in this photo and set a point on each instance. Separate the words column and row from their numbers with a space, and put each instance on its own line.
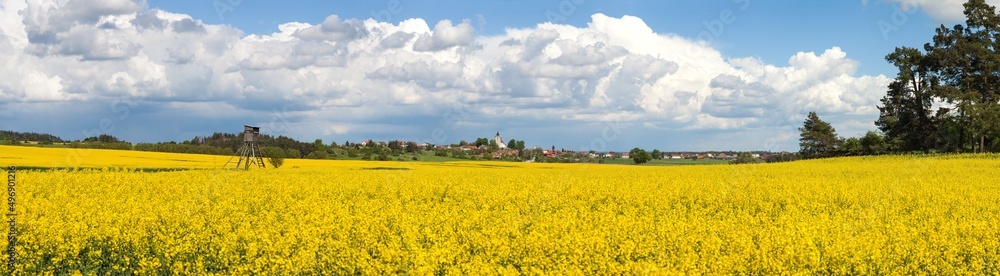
column 14, row 137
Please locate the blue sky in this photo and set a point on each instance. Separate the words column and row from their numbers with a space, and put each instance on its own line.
column 578, row 74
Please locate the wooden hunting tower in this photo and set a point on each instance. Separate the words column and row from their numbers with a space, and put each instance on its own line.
column 251, row 134
column 250, row 152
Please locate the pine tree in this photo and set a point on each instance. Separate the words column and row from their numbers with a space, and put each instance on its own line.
column 818, row 138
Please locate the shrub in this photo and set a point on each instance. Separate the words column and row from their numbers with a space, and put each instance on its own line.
column 275, row 156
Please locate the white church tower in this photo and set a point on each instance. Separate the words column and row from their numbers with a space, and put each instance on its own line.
column 499, row 141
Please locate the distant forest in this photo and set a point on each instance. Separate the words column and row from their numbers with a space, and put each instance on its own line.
column 217, row 143
column 7, row 135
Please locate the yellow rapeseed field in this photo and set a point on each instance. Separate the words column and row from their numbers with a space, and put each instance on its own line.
column 865, row 215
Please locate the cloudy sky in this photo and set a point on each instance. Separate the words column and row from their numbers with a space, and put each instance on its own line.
column 577, row 74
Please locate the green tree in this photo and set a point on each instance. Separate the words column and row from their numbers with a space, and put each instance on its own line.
column 317, row 155
column 657, row 154
column 905, row 114
column 817, row 138
column 852, row 146
column 744, row 158
column 275, row 156
column 482, row 141
column 412, row 147
column 396, row 147
column 872, row 144
column 983, row 35
column 320, row 146
column 639, row 156
column 949, row 131
column 293, row 153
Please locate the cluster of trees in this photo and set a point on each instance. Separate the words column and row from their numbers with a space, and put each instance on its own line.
column 960, row 70
column 279, row 147
column 783, row 157
column 234, row 141
column 640, row 156
column 400, row 150
column 492, row 144
column 515, row 144
column 103, row 138
column 228, row 143
column 14, row 137
column 818, row 139
column 745, row 158
column 103, row 141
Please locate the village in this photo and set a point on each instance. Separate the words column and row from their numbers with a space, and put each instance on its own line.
column 515, row 150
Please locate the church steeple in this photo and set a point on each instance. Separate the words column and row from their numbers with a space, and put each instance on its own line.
column 499, row 141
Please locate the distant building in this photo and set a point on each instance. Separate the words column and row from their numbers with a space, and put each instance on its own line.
column 499, row 141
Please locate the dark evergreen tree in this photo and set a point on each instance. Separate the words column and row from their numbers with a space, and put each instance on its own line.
column 817, row 138
column 905, row 114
